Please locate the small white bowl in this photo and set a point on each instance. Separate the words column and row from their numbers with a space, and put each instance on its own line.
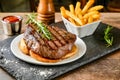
column 81, row 31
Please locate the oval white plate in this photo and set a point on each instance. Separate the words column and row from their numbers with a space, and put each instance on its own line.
column 16, row 51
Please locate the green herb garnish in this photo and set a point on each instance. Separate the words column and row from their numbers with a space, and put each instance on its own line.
column 108, row 36
column 41, row 27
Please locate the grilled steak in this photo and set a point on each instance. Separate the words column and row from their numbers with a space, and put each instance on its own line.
column 60, row 44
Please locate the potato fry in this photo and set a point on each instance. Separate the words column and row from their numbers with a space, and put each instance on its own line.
column 96, row 19
column 90, row 13
column 62, row 10
column 96, row 16
column 87, row 6
column 85, row 20
column 77, row 24
column 80, row 16
column 71, row 20
column 77, row 8
column 96, row 8
column 74, row 17
column 72, row 8
column 90, row 19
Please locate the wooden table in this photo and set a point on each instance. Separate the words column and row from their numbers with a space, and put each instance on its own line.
column 106, row 68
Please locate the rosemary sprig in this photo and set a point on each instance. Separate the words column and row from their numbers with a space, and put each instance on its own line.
column 108, row 36
column 41, row 27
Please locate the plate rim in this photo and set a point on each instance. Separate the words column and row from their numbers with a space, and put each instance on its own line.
column 16, row 40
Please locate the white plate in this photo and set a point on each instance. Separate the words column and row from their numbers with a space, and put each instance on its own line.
column 16, row 51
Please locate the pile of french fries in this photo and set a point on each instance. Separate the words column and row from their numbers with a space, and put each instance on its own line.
column 79, row 16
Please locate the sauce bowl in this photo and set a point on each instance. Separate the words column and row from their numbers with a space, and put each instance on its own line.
column 12, row 24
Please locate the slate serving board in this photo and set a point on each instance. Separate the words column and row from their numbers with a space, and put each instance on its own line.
column 21, row 70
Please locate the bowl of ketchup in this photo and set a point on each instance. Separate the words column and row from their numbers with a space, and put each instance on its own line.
column 11, row 19
column 12, row 24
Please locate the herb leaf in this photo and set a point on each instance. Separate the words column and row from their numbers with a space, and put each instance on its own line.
column 108, row 36
column 41, row 27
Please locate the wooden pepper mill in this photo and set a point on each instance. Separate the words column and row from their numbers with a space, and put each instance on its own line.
column 46, row 11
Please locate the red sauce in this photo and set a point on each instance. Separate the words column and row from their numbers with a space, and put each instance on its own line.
column 11, row 19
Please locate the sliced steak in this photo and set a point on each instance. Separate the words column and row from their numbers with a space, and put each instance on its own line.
column 60, row 44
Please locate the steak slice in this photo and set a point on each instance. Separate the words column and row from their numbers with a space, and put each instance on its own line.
column 60, row 44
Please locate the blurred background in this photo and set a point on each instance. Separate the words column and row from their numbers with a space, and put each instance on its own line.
column 31, row 5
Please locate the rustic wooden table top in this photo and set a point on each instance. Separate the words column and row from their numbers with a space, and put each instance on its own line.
column 106, row 68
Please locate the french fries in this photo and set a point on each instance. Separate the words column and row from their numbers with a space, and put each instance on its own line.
column 79, row 16
column 90, row 19
column 72, row 8
column 87, row 6
column 90, row 14
column 71, row 20
column 74, row 17
column 63, row 13
column 77, row 8
column 95, row 8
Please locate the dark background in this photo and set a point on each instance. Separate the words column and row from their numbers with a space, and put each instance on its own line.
column 31, row 5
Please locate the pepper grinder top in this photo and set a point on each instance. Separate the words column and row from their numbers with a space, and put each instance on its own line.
column 46, row 11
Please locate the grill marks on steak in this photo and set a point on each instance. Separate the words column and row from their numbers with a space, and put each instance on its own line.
column 61, row 43
column 54, row 32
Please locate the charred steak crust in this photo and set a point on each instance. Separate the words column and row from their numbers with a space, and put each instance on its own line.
column 60, row 44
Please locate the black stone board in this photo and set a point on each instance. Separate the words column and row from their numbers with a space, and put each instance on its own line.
column 21, row 70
